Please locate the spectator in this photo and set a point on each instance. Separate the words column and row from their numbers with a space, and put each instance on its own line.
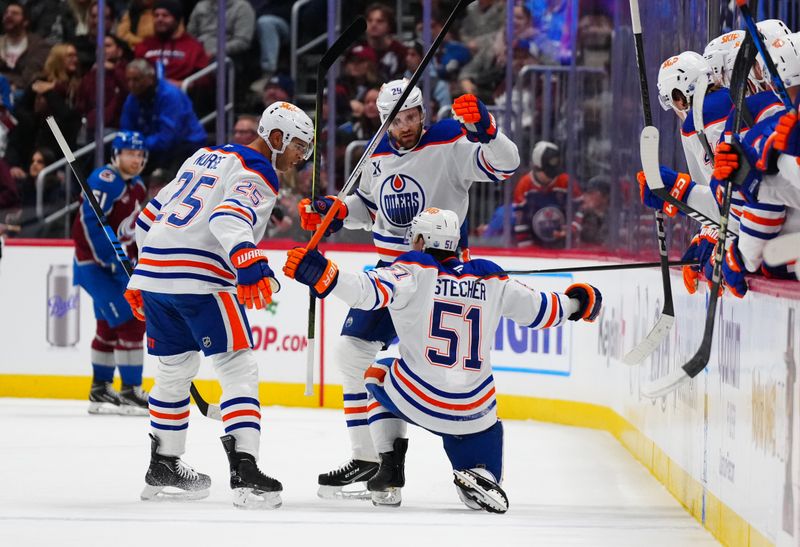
column 540, row 200
column 482, row 20
column 440, row 91
column 53, row 93
column 10, row 198
column 72, row 21
column 22, row 54
column 116, row 88
column 180, row 54
column 87, row 43
column 596, row 201
column 239, row 26
column 390, row 53
column 367, row 123
column 137, row 23
column 487, row 68
column 277, row 88
column 552, row 29
column 42, row 16
column 53, row 192
column 245, row 130
column 452, row 54
column 360, row 73
column 163, row 114
column 272, row 26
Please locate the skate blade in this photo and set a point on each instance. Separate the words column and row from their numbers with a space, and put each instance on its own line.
column 387, row 498
column 248, row 498
column 357, row 491
column 132, row 410
column 103, row 408
column 168, row 493
column 483, row 492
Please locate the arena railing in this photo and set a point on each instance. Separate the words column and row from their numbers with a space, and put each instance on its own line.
column 230, row 81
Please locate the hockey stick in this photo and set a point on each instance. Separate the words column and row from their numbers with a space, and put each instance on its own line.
column 356, row 173
column 699, row 360
column 210, row 411
column 697, row 117
column 338, row 47
column 662, row 327
column 604, row 268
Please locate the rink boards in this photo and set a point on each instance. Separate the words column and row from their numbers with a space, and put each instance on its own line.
column 725, row 445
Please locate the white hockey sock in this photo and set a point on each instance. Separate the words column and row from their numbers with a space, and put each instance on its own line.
column 169, row 401
column 384, row 428
column 240, row 406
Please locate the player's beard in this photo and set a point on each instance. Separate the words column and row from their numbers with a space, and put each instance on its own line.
column 407, row 140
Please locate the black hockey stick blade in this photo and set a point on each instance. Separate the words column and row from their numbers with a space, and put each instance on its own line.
column 122, row 257
column 603, row 268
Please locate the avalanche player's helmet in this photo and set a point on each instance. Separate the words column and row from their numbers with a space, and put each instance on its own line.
column 681, row 74
column 547, row 157
column 289, row 120
column 127, row 140
column 439, row 228
column 786, row 56
column 720, row 52
column 389, row 94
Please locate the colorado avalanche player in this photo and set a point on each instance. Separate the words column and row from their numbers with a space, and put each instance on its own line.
column 198, row 257
column 412, row 168
column 118, row 339
column 443, row 379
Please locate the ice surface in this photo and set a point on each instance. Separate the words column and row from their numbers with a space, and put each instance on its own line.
column 68, row 478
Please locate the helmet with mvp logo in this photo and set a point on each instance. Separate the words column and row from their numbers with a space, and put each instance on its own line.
column 292, row 122
column 439, row 228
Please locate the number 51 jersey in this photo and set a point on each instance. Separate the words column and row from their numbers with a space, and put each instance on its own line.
column 446, row 317
column 222, row 196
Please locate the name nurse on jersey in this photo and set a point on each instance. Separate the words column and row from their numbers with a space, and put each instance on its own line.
column 402, row 198
column 209, row 161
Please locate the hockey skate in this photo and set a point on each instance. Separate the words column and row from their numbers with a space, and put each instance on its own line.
column 348, row 481
column 477, row 489
column 252, row 489
column 104, row 399
column 385, row 486
column 169, row 478
column 133, row 401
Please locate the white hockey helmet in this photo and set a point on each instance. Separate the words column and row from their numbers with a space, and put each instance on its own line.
column 682, row 72
column 771, row 29
column 389, row 94
column 289, row 120
column 719, row 50
column 439, row 228
column 786, row 56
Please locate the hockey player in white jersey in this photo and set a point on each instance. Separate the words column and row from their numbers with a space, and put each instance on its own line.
column 412, row 168
column 442, row 309
column 198, row 269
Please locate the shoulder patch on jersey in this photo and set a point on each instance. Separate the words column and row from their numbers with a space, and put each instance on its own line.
column 442, row 131
column 481, row 266
column 253, row 161
column 417, row 257
column 107, row 175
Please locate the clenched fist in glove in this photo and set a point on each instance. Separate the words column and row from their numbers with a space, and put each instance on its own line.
column 472, row 114
column 787, row 135
column 255, row 280
column 679, row 185
column 729, row 159
column 135, row 301
column 589, row 301
column 312, row 269
column 734, row 271
column 700, row 249
column 311, row 214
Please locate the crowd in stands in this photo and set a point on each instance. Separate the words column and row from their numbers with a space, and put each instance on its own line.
column 48, row 67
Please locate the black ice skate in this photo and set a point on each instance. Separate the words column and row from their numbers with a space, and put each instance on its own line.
column 348, row 481
column 477, row 490
column 133, row 401
column 169, row 478
column 104, row 399
column 252, row 489
column 385, row 486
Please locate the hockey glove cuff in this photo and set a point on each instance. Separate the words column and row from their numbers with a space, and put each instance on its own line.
column 471, row 113
column 311, row 214
column 310, row 268
column 589, row 301
column 255, row 280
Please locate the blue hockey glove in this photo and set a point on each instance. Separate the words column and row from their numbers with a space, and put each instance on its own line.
column 700, row 249
column 255, row 280
column 589, row 299
column 311, row 214
column 312, row 269
column 734, row 271
column 472, row 114
column 679, row 185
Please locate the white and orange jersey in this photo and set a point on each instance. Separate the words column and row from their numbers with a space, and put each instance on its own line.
column 221, row 197
column 438, row 172
column 445, row 315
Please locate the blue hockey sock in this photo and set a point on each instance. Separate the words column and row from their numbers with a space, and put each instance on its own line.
column 102, row 373
column 131, row 374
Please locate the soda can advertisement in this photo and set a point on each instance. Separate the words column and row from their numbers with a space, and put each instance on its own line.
column 63, row 307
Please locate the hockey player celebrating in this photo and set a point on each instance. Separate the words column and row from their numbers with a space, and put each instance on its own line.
column 198, row 257
column 443, row 380
column 118, row 338
column 412, row 168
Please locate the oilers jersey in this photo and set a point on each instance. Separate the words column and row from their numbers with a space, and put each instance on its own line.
column 120, row 201
column 445, row 315
column 716, row 107
column 221, row 197
column 438, row 172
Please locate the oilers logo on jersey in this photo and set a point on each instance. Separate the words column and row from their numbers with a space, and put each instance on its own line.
column 401, row 199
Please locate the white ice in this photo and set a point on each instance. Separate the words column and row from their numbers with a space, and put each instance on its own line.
column 67, row 478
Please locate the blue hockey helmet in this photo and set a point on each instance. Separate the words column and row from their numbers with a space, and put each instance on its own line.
column 127, row 140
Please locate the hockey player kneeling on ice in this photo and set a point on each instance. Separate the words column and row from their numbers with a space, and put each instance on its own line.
column 443, row 380
column 198, row 257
